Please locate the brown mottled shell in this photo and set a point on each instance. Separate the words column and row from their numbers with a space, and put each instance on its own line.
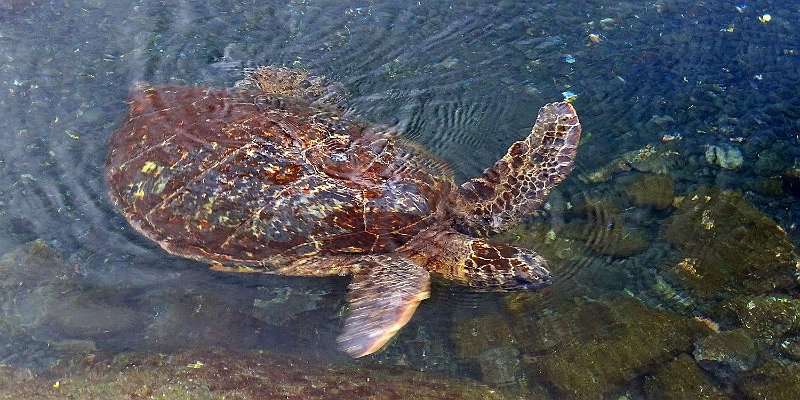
column 239, row 177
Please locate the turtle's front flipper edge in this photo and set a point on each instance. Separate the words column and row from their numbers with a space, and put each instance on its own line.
column 383, row 295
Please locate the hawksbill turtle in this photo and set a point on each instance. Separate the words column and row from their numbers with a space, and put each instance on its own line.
column 273, row 176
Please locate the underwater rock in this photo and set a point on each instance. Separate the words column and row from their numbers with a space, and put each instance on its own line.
column 647, row 159
column 661, row 120
column 196, row 318
column 33, row 280
column 725, row 156
column 15, row 230
column 24, row 311
column 550, row 332
column 603, row 227
column 33, row 264
column 488, row 342
column 595, row 348
column 667, row 293
column 500, row 366
column 278, row 305
column 777, row 379
column 728, row 246
column 791, row 181
column 682, row 378
column 790, row 348
column 37, row 293
column 727, row 354
column 218, row 374
column 473, row 336
column 75, row 346
column 772, row 187
column 423, row 347
column 652, row 190
column 615, row 238
column 769, row 163
column 92, row 313
column 768, row 317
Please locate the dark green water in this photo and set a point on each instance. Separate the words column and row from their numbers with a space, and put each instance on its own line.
column 680, row 216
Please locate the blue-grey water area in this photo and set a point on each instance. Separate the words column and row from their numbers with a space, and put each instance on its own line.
column 673, row 243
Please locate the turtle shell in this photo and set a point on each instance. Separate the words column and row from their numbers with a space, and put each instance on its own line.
column 240, row 177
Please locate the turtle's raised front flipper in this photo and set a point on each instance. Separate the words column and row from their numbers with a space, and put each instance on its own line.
column 384, row 294
column 520, row 181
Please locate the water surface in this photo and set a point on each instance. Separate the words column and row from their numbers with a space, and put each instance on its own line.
column 710, row 88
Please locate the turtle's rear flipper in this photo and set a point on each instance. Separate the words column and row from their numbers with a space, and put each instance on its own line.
column 384, row 294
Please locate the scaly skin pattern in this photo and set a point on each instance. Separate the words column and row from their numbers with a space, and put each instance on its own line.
column 239, row 178
column 482, row 264
column 520, row 181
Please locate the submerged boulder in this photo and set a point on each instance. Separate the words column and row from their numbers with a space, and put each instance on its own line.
column 726, row 156
column 488, row 342
column 652, row 190
column 33, row 280
column 657, row 159
column 728, row 354
column 682, row 378
column 729, row 247
column 33, row 264
column 777, row 379
column 596, row 348
column 768, row 318
column 40, row 299
column 601, row 224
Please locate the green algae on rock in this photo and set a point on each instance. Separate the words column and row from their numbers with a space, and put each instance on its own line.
column 217, row 374
column 728, row 354
column 728, row 246
column 601, row 224
column 682, row 378
column 196, row 317
column 38, row 293
column 725, row 156
column 33, row 264
column 647, row 159
column 768, row 317
column 473, row 336
column 488, row 341
column 33, row 278
column 777, row 379
column 769, row 186
column 652, row 190
column 585, row 362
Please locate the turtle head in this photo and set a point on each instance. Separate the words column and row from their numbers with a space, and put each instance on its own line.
column 498, row 267
column 520, row 181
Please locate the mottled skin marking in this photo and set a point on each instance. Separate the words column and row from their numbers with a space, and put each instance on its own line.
column 520, row 181
column 272, row 176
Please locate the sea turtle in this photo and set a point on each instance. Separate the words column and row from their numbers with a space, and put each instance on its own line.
column 273, row 176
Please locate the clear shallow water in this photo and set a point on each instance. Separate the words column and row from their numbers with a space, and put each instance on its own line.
column 465, row 79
